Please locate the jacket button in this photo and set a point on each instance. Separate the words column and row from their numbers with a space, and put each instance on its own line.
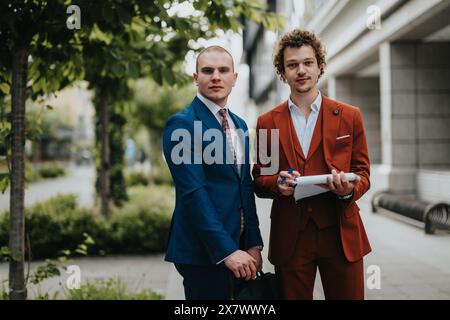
column 310, row 209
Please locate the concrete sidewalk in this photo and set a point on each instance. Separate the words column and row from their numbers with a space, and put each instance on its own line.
column 137, row 272
column 79, row 181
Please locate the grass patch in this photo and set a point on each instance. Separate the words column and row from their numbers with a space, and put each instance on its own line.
column 110, row 289
column 100, row 289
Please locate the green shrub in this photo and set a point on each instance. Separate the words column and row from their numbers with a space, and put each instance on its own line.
column 162, row 176
column 110, row 289
column 3, row 290
column 45, row 172
column 56, row 204
column 140, row 232
column 101, row 289
column 51, row 171
column 140, row 226
column 158, row 199
column 137, row 179
column 4, row 229
column 49, row 234
column 58, row 224
column 32, row 175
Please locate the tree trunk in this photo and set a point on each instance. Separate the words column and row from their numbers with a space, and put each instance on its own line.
column 17, row 286
column 151, row 178
column 104, row 156
column 156, row 154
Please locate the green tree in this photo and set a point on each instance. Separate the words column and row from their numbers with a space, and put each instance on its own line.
column 36, row 57
column 153, row 106
column 112, row 162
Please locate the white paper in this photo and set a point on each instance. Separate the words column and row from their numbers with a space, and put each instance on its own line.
column 307, row 186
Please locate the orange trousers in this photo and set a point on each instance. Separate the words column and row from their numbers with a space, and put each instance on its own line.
column 321, row 249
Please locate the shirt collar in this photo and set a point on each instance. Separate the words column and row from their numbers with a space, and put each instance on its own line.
column 214, row 108
column 315, row 106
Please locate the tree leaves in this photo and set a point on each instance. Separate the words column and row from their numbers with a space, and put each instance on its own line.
column 133, row 70
column 97, row 34
column 157, row 75
column 118, row 69
column 4, row 181
column 6, row 255
column 154, row 104
column 108, row 14
column 168, row 76
column 4, row 87
column 47, row 270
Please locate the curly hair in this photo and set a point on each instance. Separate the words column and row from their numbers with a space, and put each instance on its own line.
column 295, row 39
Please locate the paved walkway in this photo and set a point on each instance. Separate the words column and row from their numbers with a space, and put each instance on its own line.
column 137, row 272
column 79, row 180
column 413, row 265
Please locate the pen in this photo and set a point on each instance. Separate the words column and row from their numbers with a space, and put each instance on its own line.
column 283, row 179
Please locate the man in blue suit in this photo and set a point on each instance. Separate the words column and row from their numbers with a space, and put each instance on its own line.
column 214, row 240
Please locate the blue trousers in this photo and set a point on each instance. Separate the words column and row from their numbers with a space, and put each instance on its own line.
column 208, row 282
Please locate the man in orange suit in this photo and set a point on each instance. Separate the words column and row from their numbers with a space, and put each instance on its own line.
column 317, row 135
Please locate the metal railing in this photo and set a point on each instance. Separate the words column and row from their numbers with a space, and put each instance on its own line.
column 432, row 215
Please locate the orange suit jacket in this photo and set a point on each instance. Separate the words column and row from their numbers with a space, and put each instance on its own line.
column 348, row 154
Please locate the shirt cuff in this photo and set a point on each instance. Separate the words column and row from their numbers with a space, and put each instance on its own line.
column 225, row 258
column 346, row 197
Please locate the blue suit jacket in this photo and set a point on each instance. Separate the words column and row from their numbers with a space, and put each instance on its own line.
column 205, row 225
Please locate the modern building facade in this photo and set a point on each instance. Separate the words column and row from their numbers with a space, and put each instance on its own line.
column 391, row 58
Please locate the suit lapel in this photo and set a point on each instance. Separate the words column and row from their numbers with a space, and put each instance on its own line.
column 294, row 137
column 282, row 120
column 210, row 121
column 332, row 113
column 203, row 113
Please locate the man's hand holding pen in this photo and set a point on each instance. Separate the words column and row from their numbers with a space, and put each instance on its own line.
column 286, row 181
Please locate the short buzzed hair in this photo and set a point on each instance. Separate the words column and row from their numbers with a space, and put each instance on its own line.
column 217, row 49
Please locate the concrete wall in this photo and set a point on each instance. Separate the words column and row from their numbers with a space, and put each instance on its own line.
column 364, row 93
column 415, row 95
column 421, row 104
column 433, row 185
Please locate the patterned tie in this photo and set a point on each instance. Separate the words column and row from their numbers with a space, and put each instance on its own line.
column 226, row 129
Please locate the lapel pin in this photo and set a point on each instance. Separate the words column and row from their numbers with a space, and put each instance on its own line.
column 336, row 112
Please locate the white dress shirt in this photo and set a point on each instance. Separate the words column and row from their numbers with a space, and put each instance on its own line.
column 235, row 137
column 305, row 127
